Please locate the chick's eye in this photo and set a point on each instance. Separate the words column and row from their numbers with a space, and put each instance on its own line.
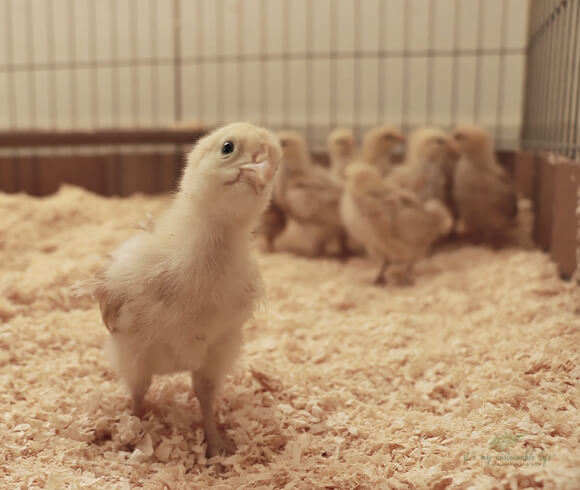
column 458, row 137
column 440, row 141
column 283, row 143
column 228, row 147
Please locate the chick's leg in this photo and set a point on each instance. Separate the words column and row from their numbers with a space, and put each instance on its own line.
column 380, row 279
column 206, row 381
column 139, row 387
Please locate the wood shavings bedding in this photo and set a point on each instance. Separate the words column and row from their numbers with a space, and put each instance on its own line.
column 449, row 383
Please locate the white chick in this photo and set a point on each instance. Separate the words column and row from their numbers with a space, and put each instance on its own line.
column 309, row 194
column 484, row 193
column 175, row 298
column 379, row 145
column 341, row 150
column 393, row 224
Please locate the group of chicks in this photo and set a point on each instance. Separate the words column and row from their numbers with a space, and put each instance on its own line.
column 176, row 294
column 449, row 183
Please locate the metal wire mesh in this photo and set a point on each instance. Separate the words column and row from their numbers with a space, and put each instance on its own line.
column 552, row 113
column 302, row 64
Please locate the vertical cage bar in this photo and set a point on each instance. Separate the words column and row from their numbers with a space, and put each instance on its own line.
column 553, row 94
column 548, row 85
column 285, row 63
column 576, row 132
column 478, row 56
column 309, row 75
column 219, row 33
column 263, row 60
column 406, row 68
column 333, row 16
column 381, row 62
column 11, row 82
column 200, row 64
column 240, row 62
column 92, row 31
column 133, row 13
column 115, row 78
column 356, row 84
column 499, row 136
column 73, row 62
column 530, row 78
column 455, row 62
column 154, row 67
column 177, row 96
column 432, row 5
column 32, row 71
column 568, row 76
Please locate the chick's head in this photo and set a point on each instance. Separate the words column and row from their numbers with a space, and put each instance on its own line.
column 232, row 169
column 341, row 143
column 381, row 143
column 474, row 142
column 295, row 153
column 432, row 145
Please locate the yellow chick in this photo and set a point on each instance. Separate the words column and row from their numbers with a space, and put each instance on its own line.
column 309, row 194
column 341, row 147
column 393, row 224
column 429, row 165
column 175, row 297
column 378, row 147
column 484, row 193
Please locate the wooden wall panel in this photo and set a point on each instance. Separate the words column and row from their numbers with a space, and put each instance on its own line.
column 88, row 172
column 564, row 226
column 543, row 201
column 8, row 175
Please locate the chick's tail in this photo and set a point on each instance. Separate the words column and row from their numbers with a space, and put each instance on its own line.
column 441, row 217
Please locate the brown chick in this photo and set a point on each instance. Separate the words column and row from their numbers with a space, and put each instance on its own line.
column 484, row 193
column 378, row 147
column 429, row 166
column 341, row 150
column 393, row 224
column 309, row 194
column 174, row 297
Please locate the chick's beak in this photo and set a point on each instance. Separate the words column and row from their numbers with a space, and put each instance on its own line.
column 257, row 174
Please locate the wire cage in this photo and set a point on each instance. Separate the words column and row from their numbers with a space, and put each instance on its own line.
column 301, row 64
column 552, row 107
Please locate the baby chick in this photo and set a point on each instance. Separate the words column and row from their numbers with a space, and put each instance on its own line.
column 483, row 191
column 174, row 298
column 429, row 166
column 309, row 194
column 341, row 150
column 393, row 224
column 379, row 145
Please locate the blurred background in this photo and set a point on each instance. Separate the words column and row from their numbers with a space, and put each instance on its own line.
column 105, row 94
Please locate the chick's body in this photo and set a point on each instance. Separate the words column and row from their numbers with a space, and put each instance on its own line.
column 309, row 194
column 394, row 224
column 483, row 191
column 429, row 166
column 175, row 298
